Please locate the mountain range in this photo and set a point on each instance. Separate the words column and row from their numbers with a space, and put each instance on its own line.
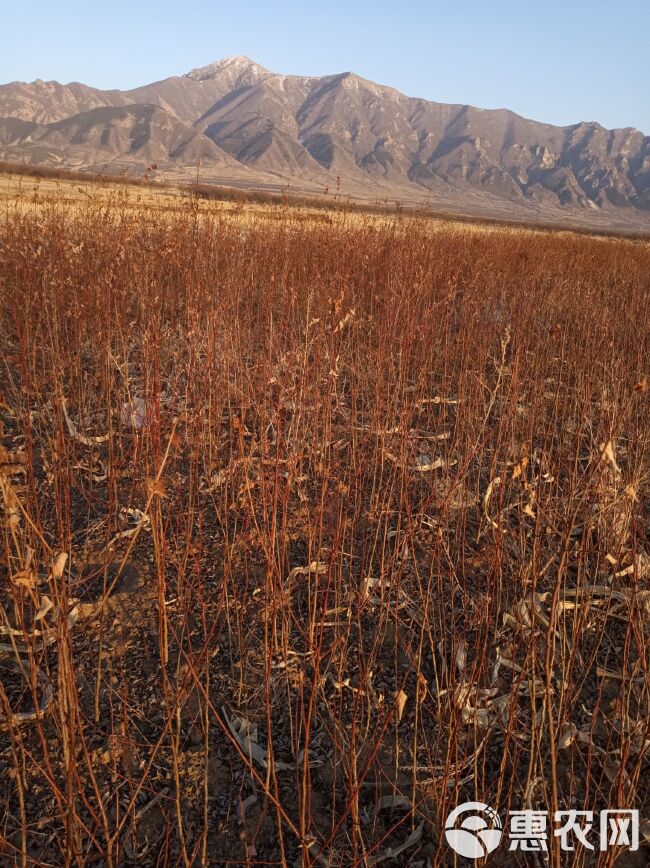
column 236, row 122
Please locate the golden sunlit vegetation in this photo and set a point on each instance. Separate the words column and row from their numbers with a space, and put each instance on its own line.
column 313, row 527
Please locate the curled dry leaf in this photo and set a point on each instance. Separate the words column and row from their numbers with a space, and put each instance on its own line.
column 19, row 665
column 519, row 468
column 477, row 704
column 616, row 773
column 26, row 579
column 244, row 732
column 423, row 465
column 528, row 612
column 314, row 568
column 133, row 413
column 141, row 520
column 46, row 606
column 630, row 491
column 461, row 655
column 529, row 511
column 400, row 702
column 46, row 633
column 10, row 504
column 57, row 568
column 607, row 454
column 73, row 431
column 245, row 804
column 394, row 852
column 568, row 735
column 321, row 857
column 397, row 802
column 346, row 319
column 486, row 499
column 502, row 660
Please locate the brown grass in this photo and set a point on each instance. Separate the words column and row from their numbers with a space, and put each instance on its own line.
column 352, row 509
column 158, row 190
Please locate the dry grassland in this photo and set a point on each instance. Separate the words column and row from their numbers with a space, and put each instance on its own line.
column 313, row 526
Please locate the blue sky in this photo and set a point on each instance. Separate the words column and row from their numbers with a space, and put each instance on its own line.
column 560, row 62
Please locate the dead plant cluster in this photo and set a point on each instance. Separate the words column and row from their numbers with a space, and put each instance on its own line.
column 312, row 531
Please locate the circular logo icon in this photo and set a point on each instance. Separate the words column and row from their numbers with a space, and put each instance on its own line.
column 476, row 835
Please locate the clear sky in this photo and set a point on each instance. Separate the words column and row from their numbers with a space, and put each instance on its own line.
column 560, row 61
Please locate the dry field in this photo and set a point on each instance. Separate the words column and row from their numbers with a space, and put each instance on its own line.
column 313, row 526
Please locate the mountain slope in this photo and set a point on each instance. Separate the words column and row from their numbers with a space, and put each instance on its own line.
column 237, row 117
column 135, row 134
column 46, row 102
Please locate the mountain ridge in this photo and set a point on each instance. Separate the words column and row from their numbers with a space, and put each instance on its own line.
column 338, row 131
